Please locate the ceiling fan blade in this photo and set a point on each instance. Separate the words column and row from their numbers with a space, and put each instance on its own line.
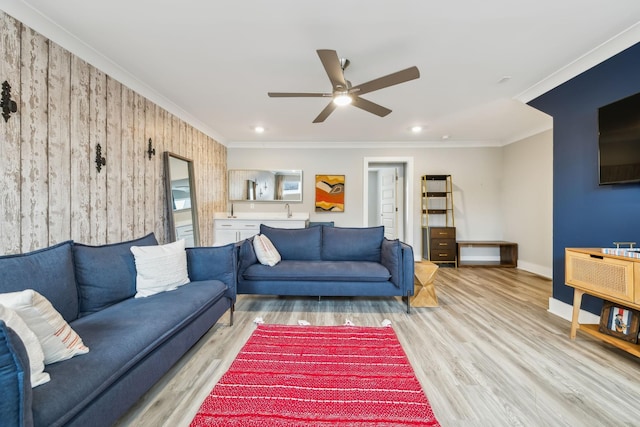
column 297, row 95
column 325, row 113
column 331, row 64
column 386, row 81
column 369, row 106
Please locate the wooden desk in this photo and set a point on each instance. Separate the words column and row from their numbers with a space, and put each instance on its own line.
column 610, row 277
column 508, row 253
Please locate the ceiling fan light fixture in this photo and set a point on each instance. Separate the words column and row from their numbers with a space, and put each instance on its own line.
column 342, row 99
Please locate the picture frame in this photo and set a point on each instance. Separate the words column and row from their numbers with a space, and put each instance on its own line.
column 620, row 321
column 330, row 190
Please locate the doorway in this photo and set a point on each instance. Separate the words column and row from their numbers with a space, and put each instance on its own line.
column 387, row 201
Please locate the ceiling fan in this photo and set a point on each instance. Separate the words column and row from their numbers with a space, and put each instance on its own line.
column 343, row 93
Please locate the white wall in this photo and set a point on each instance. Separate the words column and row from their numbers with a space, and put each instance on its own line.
column 500, row 193
column 528, row 201
column 477, row 179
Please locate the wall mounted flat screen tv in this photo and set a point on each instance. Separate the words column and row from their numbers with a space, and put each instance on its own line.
column 619, row 141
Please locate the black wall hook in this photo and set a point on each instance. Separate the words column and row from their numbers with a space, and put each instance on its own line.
column 151, row 151
column 8, row 105
column 100, row 161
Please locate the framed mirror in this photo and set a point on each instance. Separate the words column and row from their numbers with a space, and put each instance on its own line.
column 181, row 199
column 265, row 185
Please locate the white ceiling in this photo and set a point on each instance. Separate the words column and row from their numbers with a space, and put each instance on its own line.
column 213, row 62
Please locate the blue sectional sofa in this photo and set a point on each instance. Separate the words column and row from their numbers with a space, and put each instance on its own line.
column 133, row 341
column 329, row 261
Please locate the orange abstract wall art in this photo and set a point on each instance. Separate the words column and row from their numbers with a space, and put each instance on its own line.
column 329, row 193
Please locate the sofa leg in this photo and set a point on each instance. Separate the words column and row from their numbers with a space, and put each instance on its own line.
column 231, row 310
column 408, row 303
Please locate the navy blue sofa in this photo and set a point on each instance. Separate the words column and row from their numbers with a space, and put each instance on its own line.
column 133, row 342
column 329, row 261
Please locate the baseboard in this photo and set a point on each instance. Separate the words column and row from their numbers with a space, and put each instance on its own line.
column 565, row 311
column 540, row 270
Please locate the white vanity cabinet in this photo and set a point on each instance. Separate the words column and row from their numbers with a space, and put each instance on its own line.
column 229, row 230
column 185, row 232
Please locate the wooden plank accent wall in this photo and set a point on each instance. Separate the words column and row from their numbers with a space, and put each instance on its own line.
column 50, row 189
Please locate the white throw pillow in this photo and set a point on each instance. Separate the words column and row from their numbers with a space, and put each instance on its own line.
column 31, row 343
column 58, row 340
column 266, row 253
column 160, row 268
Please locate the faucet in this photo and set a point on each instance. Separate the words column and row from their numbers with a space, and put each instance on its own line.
column 288, row 208
column 231, row 216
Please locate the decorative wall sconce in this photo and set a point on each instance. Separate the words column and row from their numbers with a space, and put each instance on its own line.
column 100, row 161
column 262, row 188
column 150, row 150
column 8, row 105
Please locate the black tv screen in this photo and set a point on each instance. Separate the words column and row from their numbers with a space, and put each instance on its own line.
column 619, row 141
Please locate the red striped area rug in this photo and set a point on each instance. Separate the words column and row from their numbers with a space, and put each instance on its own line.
column 318, row 376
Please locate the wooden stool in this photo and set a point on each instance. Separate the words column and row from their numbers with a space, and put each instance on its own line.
column 424, row 292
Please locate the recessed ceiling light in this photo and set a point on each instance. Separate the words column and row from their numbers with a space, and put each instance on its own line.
column 416, row 129
column 258, row 129
column 445, row 137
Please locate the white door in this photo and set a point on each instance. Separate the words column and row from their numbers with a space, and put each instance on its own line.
column 388, row 202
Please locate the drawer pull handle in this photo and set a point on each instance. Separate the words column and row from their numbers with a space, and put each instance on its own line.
column 596, row 256
column 443, row 244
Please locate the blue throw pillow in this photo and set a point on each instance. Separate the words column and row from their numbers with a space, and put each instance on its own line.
column 301, row 244
column 106, row 274
column 15, row 394
column 352, row 244
column 48, row 271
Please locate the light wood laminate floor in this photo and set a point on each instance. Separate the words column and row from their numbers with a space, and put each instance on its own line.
column 490, row 355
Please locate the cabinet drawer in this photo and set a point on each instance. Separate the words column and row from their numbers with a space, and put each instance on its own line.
column 236, row 225
column 440, row 244
column 601, row 275
column 443, row 255
column 442, row 232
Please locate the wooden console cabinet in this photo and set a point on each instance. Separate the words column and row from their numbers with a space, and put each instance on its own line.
column 610, row 277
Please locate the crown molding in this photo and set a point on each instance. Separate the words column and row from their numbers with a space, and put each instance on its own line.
column 595, row 56
column 364, row 145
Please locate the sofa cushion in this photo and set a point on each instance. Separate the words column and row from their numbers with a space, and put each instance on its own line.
column 31, row 345
column 106, row 274
column 48, row 271
column 160, row 268
column 15, row 395
column 352, row 244
column 120, row 336
column 295, row 243
column 346, row 271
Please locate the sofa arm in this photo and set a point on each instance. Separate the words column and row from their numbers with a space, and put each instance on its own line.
column 15, row 381
column 246, row 255
column 397, row 257
column 408, row 266
column 214, row 263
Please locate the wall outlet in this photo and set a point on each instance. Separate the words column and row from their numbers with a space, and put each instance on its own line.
column 252, row 205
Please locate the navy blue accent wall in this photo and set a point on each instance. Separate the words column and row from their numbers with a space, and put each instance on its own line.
column 586, row 214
